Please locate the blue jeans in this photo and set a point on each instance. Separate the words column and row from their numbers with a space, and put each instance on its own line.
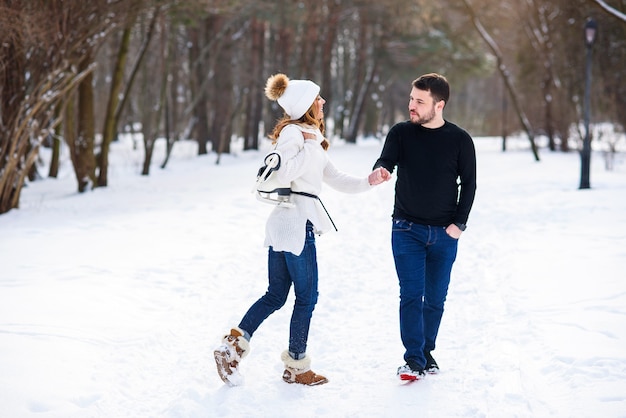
column 285, row 268
column 423, row 256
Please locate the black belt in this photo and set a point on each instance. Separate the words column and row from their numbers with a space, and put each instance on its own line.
column 319, row 200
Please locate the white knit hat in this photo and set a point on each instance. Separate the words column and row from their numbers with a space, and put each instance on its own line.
column 294, row 96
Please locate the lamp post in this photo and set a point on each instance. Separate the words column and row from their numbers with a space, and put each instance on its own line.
column 591, row 28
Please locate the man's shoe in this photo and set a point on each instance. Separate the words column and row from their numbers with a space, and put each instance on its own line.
column 407, row 372
column 431, row 364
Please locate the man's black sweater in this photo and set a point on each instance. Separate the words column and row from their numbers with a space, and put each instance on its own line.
column 436, row 172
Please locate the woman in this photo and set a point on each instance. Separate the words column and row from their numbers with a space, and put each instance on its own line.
column 290, row 231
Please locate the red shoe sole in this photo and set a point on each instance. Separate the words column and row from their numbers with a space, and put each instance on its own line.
column 410, row 377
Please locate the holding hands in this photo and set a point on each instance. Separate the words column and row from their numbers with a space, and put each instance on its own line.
column 380, row 175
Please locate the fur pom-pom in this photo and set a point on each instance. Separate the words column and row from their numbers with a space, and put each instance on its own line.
column 276, row 86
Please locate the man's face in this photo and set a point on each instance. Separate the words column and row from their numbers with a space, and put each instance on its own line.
column 421, row 106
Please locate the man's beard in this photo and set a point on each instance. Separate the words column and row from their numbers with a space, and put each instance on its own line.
column 421, row 120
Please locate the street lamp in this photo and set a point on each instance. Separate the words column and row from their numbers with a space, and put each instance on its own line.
column 591, row 28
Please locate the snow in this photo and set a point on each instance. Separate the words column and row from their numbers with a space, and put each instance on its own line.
column 111, row 302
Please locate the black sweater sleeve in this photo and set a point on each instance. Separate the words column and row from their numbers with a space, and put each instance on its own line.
column 391, row 149
column 467, row 178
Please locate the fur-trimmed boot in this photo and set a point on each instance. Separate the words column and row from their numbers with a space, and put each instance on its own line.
column 299, row 371
column 233, row 349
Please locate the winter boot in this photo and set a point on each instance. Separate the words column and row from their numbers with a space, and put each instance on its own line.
column 233, row 349
column 299, row 371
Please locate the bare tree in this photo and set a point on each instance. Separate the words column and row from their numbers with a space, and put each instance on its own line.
column 82, row 148
column 505, row 76
column 222, row 28
column 152, row 95
column 252, row 86
column 173, row 122
column 199, row 104
column 55, row 37
column 110, row 122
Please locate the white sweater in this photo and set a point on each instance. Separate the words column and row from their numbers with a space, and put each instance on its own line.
column 305, row 164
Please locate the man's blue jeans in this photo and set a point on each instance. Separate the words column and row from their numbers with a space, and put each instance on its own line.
column 423, row 256
column 285, row 268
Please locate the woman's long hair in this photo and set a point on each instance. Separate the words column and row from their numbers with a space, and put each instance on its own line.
column 307, row 119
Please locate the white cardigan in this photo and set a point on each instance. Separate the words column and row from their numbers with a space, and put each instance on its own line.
column 305, row 164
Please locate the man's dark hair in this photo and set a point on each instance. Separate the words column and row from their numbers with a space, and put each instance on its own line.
column 436, row 84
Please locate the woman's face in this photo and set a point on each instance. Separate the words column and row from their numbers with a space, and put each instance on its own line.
column 319, row 107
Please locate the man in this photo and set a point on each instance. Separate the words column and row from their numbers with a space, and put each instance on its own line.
column 435, row 188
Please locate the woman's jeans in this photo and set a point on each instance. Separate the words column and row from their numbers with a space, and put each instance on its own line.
column 423, row 256
column 285, row 268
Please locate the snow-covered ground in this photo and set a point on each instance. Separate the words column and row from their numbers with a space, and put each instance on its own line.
column 112, row 302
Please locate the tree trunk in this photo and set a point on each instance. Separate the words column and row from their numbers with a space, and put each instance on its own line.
column 222, row 86
column 359, row 103
column 549, row 122
column 308, row 49
column 330, row 35
column 253, row 100
column 148, row 146
column 53, row 170
column 172, row 124
column 154, row 96
column 85, row 166
column 148, row 121
column 358, row 76
column 539, row 27
column 135, row 70
column 198, row 91
column 110, row 123
column 69, row 129
column 284, row 39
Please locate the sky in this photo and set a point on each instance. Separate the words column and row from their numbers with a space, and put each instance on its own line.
column 112, row 301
